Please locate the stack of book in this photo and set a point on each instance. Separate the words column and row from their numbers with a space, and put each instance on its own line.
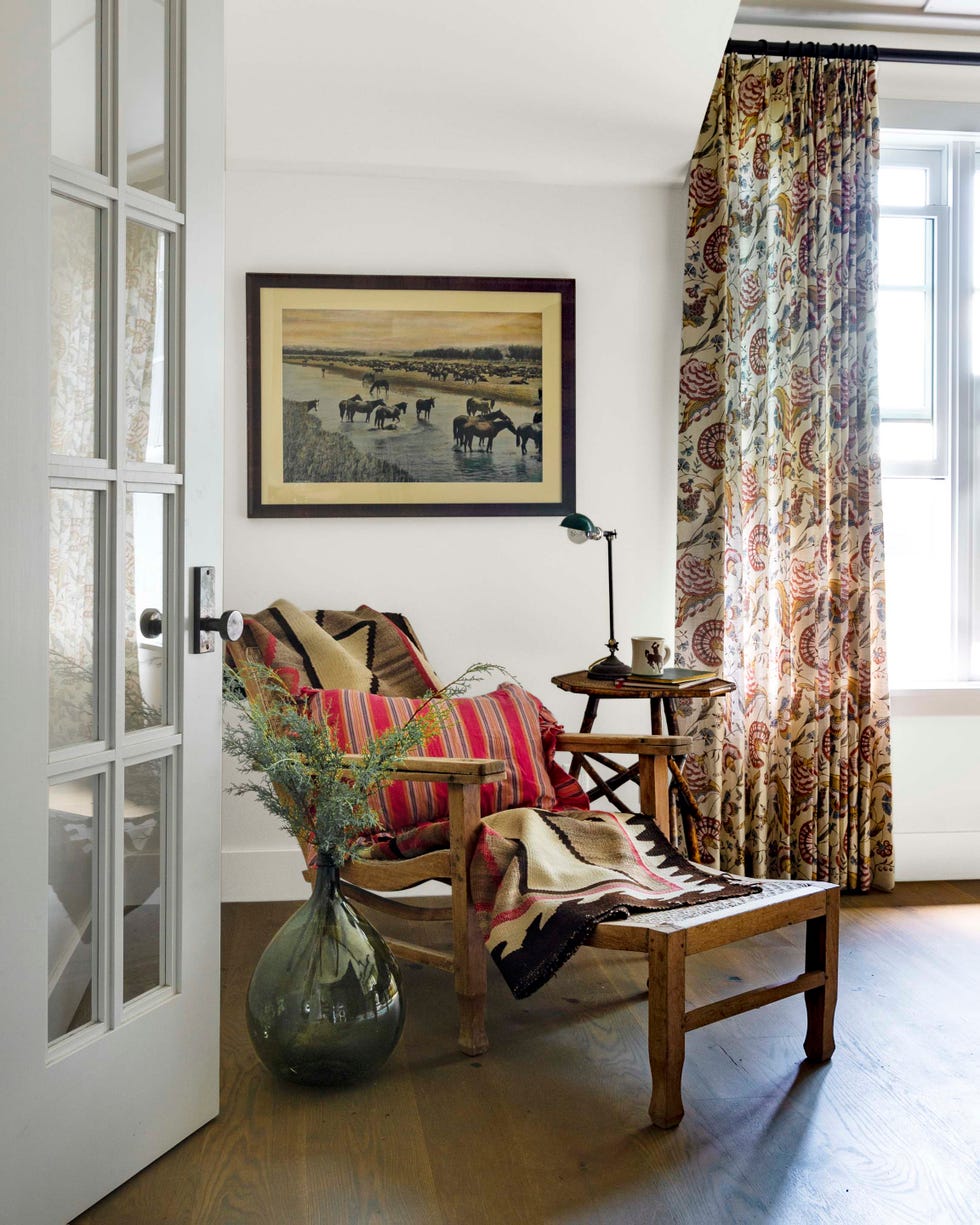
column 678, row 677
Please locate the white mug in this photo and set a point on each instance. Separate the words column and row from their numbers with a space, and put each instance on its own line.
column 649, row 656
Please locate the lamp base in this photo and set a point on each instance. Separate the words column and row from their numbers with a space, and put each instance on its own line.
column 608, row 669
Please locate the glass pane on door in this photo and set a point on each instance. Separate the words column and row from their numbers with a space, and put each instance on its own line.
column 146, row 595
column 75, row 82
column 73, row 617
column 144, row 808
column 146, row 333
column 72, row 904
column 144, row 91
column 75, row 298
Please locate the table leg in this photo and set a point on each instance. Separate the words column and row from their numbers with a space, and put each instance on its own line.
column 689, row 810
column 605, row 787
column 686, row 802
column 588, row 722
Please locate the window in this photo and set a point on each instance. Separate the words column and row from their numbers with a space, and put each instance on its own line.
column 929, row 386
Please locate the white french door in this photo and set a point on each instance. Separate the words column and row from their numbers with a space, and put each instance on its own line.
column 111, row 139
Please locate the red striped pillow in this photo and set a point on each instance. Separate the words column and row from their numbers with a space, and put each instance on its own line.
column 507, row 724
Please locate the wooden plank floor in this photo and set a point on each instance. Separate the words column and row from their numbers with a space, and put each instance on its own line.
column 550, row 1125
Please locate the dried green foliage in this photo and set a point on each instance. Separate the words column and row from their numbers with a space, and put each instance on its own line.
column 296, row 769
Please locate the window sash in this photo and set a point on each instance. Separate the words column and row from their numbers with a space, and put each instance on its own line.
column 936, row 212
column 953, row 172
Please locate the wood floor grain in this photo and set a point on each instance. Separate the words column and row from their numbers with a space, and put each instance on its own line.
column 550, row 1126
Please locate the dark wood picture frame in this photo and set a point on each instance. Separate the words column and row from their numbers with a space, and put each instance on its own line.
column 454, row 339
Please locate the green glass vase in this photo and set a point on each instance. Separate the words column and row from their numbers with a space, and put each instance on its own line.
column 324, row 1006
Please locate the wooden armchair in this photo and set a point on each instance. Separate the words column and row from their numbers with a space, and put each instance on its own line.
column 363, row 879
column 665, row 938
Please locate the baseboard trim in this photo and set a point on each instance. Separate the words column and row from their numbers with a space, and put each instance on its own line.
column 276, row 875
column 937, row 856
column 270, row 875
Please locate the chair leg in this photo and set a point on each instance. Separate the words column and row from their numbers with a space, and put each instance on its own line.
column 470, row 976
column 821, row 954
column 473, row 1038
column 667, row 953
column 469, row 952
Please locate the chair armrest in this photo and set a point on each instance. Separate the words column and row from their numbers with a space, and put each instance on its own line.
column 460, row 771
column 642, row 746
column 654, row 764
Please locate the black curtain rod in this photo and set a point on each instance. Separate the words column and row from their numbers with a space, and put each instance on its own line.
column 896, row 55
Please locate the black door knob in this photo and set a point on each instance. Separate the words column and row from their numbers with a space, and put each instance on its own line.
column 151, row 623
column 229, row 625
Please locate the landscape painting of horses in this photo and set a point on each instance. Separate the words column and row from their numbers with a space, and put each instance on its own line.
column 410, row 395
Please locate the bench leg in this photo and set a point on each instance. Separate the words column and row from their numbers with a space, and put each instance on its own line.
column 667, row 953
column 821, row 954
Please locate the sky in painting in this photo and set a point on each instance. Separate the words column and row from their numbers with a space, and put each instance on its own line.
column 388, row 331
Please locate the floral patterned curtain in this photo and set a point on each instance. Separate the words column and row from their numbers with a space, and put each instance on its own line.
column 780, row 551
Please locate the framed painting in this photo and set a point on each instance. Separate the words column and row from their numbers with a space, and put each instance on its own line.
column 394, row 395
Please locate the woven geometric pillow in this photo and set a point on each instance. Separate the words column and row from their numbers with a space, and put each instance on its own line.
column 305, row 656
column 506, row 724
column 398, row 663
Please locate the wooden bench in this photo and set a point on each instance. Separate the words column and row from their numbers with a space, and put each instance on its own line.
column 666, row 938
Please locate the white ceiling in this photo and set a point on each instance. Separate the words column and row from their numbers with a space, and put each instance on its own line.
column 572, row 91
column 939, row 16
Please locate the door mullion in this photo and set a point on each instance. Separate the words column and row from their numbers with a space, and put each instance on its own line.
column 117, row 565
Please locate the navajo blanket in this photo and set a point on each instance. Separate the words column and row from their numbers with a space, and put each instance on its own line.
column 542, row 882
column 363, row 650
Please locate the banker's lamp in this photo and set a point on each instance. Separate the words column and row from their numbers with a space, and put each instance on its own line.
column 581, row 528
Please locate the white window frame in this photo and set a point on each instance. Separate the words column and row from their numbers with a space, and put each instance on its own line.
column 954, row 159
column 937, row 210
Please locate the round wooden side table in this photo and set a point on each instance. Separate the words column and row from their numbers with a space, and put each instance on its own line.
column 663, row 718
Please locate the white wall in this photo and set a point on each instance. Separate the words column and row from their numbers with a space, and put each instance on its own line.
column 510, row 590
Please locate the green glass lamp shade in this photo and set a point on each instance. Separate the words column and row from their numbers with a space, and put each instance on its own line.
column 580, row 528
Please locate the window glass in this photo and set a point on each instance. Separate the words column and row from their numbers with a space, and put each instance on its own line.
column 145, row 644
column 929, row 405
column 906, row 442
column 976, row 270
column 904, row 243
column 146, row 316
column 903, row 186
column 75, row 83
column 75, row 251
column 143, row 878
column 72, row 905
column 145, row 95
column 904, row 354
column 73, row 614
column 918, row 577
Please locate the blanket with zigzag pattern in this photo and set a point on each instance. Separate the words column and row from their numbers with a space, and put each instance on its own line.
column 542, row 882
